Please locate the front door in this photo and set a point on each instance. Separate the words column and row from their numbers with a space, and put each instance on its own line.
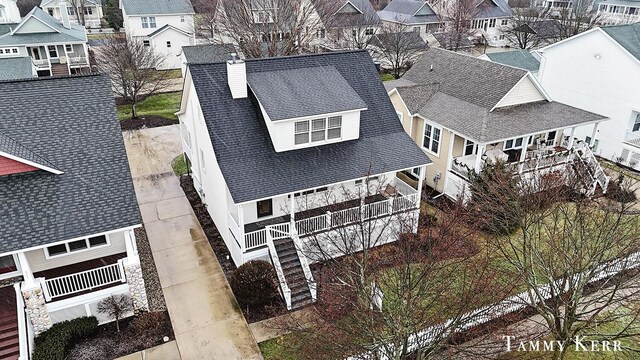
column 36, row 53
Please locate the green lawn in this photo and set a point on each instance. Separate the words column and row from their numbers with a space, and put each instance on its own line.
column 179, row 165
column 386, row 77
column 280, row 348
column 163, row 105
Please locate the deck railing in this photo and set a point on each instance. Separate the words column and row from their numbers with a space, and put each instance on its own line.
column 284, row 287
column 83, row 281
column 42, row 64
column 77, row 61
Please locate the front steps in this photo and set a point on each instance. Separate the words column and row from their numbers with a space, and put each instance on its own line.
column 9, row 338
column 293, row 273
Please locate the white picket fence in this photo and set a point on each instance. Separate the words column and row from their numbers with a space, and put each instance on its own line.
column 494, row 311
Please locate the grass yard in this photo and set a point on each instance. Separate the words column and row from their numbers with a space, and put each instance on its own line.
column 179, row 165
column 280, row 348
column 386, row 77
column 163, row 105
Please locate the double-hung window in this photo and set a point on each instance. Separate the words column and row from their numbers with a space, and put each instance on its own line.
column 152, row 22
column 513, row 143
column 469, row 147
column 145, row 22
column 636, row 123
column 318, row 130
column 492, row 23
column 431, row 138
column 148, row 22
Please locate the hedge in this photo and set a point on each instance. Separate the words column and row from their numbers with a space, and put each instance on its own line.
column 54, row 343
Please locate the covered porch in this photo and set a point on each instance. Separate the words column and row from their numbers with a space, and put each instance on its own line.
column 311, row 217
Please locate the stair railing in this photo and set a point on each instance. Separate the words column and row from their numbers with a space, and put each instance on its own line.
column 286, row 291
column 590, row 160
column 305, row 264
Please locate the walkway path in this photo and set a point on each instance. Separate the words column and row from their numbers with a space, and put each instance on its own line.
column 206, row 319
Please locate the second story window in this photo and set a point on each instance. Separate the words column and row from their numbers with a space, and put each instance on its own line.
column 145, row 43
column 317, row 130
column 148, row 22
column 145, row 22
column 71, row 11
column 492, row 23
column 321, row 33
column 88, row 11
column 636, row 123
column 168, row 44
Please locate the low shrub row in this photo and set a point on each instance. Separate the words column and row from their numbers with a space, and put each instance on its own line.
column 55, row 342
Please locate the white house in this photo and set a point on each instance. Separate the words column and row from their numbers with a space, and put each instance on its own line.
column 418, row 16
column 89, row 15
column 164, row 25
column 268, row 140
column 599, row 71
column 9, row 12
column 55, row 47
column 466, row 112
column 69, row 208
column 616, row 12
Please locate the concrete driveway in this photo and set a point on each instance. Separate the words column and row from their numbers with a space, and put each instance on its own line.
column 206, row 319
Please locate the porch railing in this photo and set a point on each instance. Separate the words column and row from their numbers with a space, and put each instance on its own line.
column 83, row 281
column 77, row 61
column 42, row 64
column 284, row 287
column 404, row 188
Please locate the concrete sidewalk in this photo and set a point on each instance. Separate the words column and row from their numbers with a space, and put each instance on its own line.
column 206, row 319
column 167, row 351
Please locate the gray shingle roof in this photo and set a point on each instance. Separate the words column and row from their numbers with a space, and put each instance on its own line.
column 204, row 54
column 336, row 15
column 448, row 40
column 461, row 90
column 628, row 36
column 15, row 68
column 58, row 34
column 403, row 11
column 476, row 81
column 294, row 93
column 401, row 40
column 10, row 146
column 157, row 7
column 519, row 58
column 492, row 9
column 74, row 126
column 243, row 146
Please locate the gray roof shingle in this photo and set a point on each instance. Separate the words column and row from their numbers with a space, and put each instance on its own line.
column 486, row 9
column 628, row 36
column 157, row 7
column 243, row 146
column 12, row 147
column 461, row 90
column 403, row 11
column 294, row 93
column 210, row 53
column 16, row 68
column 73, row 126
column 518, row 58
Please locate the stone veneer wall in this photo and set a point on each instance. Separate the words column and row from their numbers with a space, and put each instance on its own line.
column 138, row 294
column 36, row 309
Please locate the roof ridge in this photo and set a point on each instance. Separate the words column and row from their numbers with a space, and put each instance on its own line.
column 49, row 78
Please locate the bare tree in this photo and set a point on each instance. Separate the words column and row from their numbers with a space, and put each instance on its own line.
column 521, row 32
column 348, row 30
column 380, row 285
column 580, row 16
column 78, row 7
column 397, row 48
column 205, row 18
column 559, row 246
column 458, row 16
column 115, row 307
column 131, row 65
column 267, row 28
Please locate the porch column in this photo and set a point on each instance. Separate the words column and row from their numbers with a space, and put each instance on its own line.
column 594, row 133
column 34, row 300
column 133, row 274
column 525, row 143
column 292, row 217
column 241, row 227
column 420, row 182
column 479, row 157
column 452, row 140
column 571, row 137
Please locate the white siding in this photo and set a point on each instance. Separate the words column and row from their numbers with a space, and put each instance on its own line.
column 39, row 262
column 34, row 26
column 593, row 73
column 524, row 92
column 133, row 24
column 172, row 59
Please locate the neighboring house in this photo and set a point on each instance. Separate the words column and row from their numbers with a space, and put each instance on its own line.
column 413, row 15
column 204, row 54
column 9, row 12
column 88, row 15
column 268, row 139
column 164, row 25
column 68, row 207
column 55, row 47
column 599, row 70
column 379, row 4
column 490, row 19
column 614, row 12
column 465, row 112
column 517, row 58
column 539, row 32
column 346, row 24
column 19, row 67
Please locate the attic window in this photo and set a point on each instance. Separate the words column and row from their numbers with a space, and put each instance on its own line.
column 320, row 130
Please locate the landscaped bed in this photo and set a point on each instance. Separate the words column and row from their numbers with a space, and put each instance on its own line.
column 136, row 334
column 153, row 111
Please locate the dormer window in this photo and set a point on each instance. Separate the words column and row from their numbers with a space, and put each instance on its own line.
column 318, row 131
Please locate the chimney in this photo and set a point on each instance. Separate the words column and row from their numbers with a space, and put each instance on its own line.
column 237, row 77
column 65, row 16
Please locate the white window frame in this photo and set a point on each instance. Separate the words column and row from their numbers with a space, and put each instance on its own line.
column 152, row 22
column 9, row 51
column 431, row 140
column 55, row 47
column 513, row 144
column 146, row 43
column 168, row 44
column 636, row 122
column 88, row 10
column 69, row 252
column 310, row 130
column 68, row 48
column 468, row 142
column 145, row 22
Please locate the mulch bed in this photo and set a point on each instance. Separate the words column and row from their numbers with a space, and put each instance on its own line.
column 143, row 122
column 136, row 334
column 155, row 297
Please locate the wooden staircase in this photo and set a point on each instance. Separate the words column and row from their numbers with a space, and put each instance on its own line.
column 9, row 342
column 293, row 273
column 59, row 70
